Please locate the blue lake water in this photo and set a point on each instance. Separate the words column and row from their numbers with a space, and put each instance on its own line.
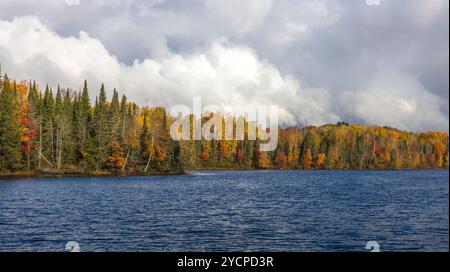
column 229, row 211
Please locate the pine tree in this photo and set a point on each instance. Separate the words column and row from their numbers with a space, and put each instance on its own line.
column 115, row 118
column 35, row 112
column 59, row 128
column 47, row 131
column 116, row 155
column 123, row 119
column 102, row 129
column 177, row 163
column 145, row 145
column 69, row 139
column 83, row 112
column 90, row 159
column 10, row 153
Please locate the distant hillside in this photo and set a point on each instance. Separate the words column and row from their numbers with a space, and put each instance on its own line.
column 339, row 146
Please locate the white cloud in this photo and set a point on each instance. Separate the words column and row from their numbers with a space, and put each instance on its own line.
column 396, row 99
column 262, row 41
column 242, row 17
column 425, row 12
column 224, row 74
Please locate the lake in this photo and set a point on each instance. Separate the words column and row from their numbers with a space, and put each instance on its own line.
column 229, row 211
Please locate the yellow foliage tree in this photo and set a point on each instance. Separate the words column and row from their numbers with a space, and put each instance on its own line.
column 117, row 158
column 264, row 161
column 307, row 159
column 321, row 159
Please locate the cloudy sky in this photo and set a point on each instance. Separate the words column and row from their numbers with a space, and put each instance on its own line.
column 319, row 61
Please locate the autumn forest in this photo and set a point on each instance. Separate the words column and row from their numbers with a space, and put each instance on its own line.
column 67, row 132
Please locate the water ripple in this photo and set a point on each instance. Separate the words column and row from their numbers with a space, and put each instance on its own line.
column 229, row 211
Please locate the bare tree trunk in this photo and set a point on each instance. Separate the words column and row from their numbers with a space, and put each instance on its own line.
column 28, row 156
column 99, row 146
column 148, row 163
column 51, row 142
column 41, row 155
column 149, row 159
column 60, row 154
column 40, row 145
column 59, row 146
column 126, row 160
column 123, row 126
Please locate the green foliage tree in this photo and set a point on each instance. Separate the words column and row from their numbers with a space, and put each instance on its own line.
column 102, row 129
column 10, row 153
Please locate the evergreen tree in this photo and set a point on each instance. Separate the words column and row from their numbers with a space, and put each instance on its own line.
column 69, row 140
column 35, row 112
column 47, row 131
column 102, row 128
column 123, row 114
column 144, row 145
column 59, row 128
column 115, row 118
column 10, row 153
column 177, row 164
column 83, row 114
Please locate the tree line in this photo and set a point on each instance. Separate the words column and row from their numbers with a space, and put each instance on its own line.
column 63, row 131
column 330, row 147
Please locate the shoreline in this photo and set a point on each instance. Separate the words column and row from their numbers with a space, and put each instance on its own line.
column 22, row 175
